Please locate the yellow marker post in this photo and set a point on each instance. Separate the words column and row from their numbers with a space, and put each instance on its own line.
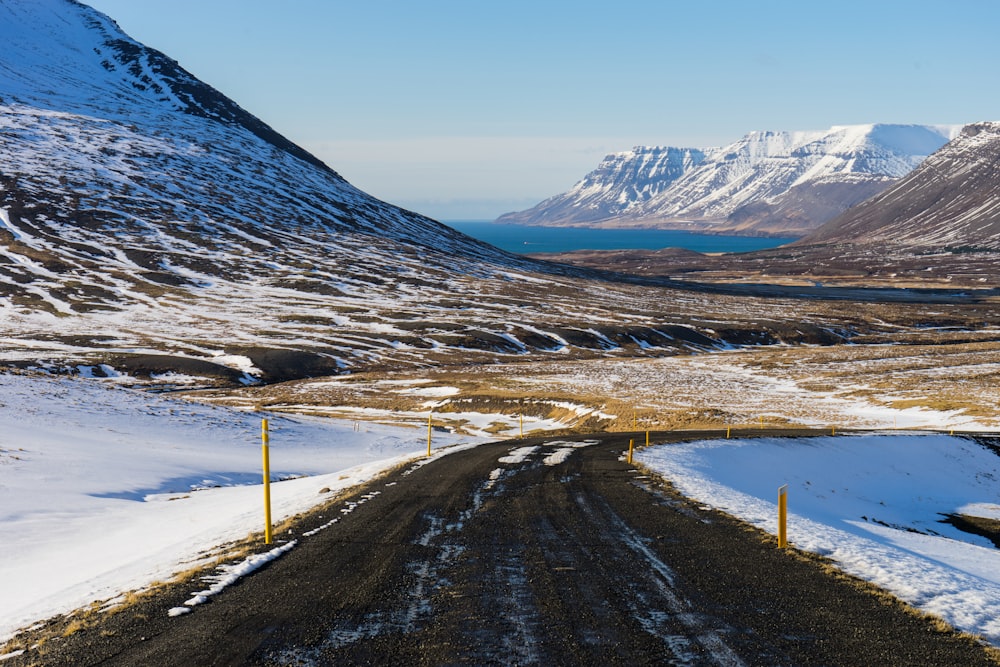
column 762, row 422
column 729, row 430
column 782, row 516
column 647, row 438
column 429, row 423
column 833, row 430
column 267, row 481
column 631, row 447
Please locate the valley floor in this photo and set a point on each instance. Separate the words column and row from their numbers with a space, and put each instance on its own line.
column 945, row 386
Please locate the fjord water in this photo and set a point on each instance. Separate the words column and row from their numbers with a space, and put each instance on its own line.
column 530, row 239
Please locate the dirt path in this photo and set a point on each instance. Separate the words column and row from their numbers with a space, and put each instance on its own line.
column 525, row 552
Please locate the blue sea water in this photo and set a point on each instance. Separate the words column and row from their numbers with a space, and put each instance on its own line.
column 526, row 239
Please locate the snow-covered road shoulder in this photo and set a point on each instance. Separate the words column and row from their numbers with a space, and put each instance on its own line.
column 104, row 490
column 873, row 504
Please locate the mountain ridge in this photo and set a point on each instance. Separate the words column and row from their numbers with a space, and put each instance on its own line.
column 937, row 226
column 767, row 182
column 150, row 73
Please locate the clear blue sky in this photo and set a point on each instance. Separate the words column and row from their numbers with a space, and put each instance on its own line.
column 465, row 109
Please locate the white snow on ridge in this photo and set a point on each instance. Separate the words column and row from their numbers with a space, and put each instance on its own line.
column 5, row 222
column 873, row 504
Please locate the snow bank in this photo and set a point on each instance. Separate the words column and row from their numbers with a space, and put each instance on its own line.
column 873, row 504
column 104, row 490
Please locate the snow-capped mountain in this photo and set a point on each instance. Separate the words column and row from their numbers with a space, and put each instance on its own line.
column 137, row 204
column 950, row 203
column 623, row 182
column 150, row 225
column 767, row 182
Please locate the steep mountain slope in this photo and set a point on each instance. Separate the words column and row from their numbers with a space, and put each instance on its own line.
column 136, row 198
column 150, row 225
column 767, row 182
column 950, row 203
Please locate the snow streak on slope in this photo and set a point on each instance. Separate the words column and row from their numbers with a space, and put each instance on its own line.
column 649, row 184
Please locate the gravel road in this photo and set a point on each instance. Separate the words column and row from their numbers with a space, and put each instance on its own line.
column 528, row 552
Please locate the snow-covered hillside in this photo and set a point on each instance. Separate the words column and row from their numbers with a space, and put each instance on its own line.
column 659, row 186
column 150, row 223
column 622, row 183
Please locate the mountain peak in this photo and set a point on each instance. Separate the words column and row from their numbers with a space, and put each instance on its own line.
column 61, row 54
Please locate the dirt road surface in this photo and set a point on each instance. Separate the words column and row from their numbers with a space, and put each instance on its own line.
column 528, row 552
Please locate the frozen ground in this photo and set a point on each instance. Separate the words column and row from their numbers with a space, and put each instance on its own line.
column 872, row 504
column 105, row 490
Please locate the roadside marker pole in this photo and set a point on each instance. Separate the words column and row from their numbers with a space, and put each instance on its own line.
column 728, row 431
column 429, row 417
column 833, row 430
column 782, row 516
column 265, row 437
column 631, row 446
column 647, row 438
column 520, row 420
column 762, row 422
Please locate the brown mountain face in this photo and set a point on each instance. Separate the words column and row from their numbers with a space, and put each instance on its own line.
column 804, row 208
column 950, row 203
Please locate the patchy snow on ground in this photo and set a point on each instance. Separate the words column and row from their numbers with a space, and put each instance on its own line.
column 873, row 504
column 105, row 489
